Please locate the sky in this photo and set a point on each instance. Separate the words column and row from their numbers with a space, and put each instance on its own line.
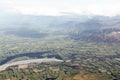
column 60, row 7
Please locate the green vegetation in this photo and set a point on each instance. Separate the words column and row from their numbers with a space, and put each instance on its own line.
column 88, row 59
column 88, row 53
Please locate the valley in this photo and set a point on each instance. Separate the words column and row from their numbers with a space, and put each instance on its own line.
column 87, row 49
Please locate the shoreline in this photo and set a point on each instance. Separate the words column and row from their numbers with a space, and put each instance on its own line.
column 4, row 66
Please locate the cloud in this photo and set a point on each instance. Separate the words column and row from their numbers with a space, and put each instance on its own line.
column 55, row 7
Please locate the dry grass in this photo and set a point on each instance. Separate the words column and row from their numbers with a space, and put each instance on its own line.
column 83, row 76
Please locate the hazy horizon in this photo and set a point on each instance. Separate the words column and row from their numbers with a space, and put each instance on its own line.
column 60, row 7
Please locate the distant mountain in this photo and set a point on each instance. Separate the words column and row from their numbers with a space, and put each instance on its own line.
column 79, row 27
column 98, row 30
column 18, row 20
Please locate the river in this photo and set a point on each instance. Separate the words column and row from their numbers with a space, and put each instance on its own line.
column 4, row 66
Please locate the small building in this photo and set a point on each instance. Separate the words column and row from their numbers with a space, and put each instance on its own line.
column 13, row 67
column 32, row 65
column 7, row 79
column 55, row 69
column 22, row 66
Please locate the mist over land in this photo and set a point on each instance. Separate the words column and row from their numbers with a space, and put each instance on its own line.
column 81, row 27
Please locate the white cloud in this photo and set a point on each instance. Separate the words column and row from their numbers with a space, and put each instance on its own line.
column 38, row 7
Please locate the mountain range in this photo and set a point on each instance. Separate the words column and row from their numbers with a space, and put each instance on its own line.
column 78, row 27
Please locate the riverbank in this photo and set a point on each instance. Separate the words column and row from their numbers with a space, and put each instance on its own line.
column 4, row 66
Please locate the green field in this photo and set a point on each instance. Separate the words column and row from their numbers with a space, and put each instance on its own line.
column 88, row 59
